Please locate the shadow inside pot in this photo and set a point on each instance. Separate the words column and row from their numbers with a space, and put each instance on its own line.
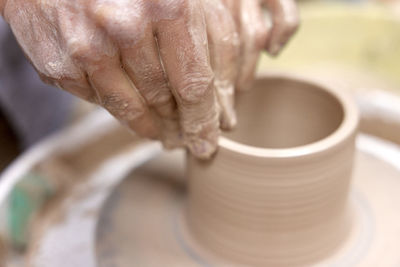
column 282, row 113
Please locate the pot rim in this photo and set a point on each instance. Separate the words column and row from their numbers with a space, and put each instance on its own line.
column 343, row 132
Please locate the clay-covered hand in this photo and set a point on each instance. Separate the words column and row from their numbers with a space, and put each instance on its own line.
column 257, row 32
column 166, row 68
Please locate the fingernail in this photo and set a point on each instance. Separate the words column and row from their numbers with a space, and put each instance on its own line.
column 202, row 149
column 274, row 49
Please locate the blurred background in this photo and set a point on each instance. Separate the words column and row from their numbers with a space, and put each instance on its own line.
column 353, row 43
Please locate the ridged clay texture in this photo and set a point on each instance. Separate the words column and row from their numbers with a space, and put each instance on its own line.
column 276, row 193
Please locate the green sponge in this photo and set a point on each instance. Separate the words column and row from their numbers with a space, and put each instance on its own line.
column 27, row 197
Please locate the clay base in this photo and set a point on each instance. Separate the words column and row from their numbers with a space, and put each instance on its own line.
column 141, row 222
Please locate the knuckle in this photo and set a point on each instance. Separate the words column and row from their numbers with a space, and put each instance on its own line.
column 151, row 76
column 195, row 86
column 101, row 12
column 154, row 86
column 158, row 98
column 88, row 55
column 119, row 23
column 175, row 7
column 78, row 88
column 120, row 107
column 112, row 101
column 57, row 67
column 79, row 51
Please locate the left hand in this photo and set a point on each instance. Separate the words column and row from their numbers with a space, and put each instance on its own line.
column 256, row 34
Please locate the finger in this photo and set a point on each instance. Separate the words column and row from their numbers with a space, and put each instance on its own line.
column 142, row 64
column 187, row 65
column 285, row 21
column 224, row 52
column 79, row 87
column 113, row 89
column 119, row 96
column 140, row 59
column 253, row 34
column 67, row 73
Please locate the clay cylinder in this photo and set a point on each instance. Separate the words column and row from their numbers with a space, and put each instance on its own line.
column 276, row 193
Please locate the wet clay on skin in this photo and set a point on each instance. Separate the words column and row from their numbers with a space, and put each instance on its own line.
column 166, row 69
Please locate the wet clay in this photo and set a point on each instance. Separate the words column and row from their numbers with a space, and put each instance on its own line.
column 276, row 193
column 283, row 113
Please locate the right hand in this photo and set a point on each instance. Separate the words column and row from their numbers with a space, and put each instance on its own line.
column 167, row 69
column 146, row 62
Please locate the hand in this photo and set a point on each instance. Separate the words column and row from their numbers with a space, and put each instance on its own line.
column 167, row 69
column 146, row 62
column 257, row 33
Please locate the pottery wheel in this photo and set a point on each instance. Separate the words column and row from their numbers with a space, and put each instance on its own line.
column 131, row 212
column 142, row 222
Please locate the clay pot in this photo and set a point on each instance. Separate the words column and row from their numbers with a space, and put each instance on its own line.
column 276, row 193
